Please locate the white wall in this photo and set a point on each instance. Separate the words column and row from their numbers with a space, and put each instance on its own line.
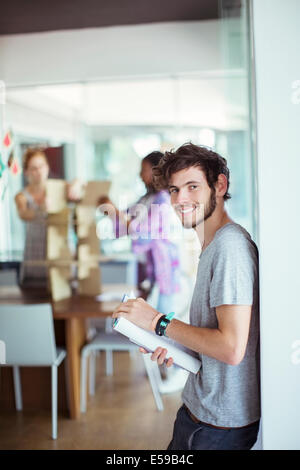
column 39, row 124
column 277, row 59
column 97, row 53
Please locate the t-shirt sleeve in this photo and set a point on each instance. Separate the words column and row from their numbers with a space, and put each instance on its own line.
column 234, row 274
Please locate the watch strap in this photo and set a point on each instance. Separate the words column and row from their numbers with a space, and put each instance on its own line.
column 161, row 325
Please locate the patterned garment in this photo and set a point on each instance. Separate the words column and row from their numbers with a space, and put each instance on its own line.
column 35, row 246
column 149, row 230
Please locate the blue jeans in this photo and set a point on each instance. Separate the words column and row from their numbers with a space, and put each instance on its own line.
column 188, row 435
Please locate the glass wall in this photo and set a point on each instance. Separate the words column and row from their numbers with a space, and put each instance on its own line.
column 107, row 127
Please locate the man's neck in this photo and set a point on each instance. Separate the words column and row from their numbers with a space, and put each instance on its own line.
column 207, row 229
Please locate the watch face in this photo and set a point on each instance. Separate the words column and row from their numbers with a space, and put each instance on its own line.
column 161, row 326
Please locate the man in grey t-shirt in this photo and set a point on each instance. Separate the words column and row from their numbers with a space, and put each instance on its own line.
column 223, row 394
column 221, row 403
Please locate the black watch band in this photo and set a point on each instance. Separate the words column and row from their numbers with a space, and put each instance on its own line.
column 161, row 325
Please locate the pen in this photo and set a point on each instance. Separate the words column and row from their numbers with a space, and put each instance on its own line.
column 124, row 299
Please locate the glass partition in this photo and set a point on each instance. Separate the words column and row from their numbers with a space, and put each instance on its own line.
column 105, row 128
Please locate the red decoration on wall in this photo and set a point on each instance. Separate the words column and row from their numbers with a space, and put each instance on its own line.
column 7, row 140
column 15, row 168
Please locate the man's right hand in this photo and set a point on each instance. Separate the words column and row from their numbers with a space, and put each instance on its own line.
column 159, row 355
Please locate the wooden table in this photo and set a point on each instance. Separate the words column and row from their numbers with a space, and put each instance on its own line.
column 73, row 312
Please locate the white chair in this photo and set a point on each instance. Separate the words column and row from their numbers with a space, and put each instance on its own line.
column 28, row 334
column 110, row 341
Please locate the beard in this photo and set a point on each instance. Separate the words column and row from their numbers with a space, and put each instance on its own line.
column 212, row 204
column 209, row 209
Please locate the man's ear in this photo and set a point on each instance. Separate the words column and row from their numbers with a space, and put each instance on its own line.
column 221, row 185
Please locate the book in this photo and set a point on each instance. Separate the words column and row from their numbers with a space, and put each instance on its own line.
column 182, row 356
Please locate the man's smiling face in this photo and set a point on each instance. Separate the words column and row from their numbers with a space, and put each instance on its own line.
column 193, row 200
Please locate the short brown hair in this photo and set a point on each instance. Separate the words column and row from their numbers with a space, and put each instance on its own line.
column 186, row 156
column 32, row 152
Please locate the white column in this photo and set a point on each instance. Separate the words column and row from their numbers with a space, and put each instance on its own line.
column 276, row 35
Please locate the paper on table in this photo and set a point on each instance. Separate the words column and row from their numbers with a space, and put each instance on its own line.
column 150, row 341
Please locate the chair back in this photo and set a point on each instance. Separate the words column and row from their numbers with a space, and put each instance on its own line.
column 28, row 334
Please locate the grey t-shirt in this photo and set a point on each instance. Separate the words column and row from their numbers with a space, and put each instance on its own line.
column 222, row 394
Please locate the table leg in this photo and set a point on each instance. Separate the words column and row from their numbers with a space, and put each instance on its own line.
column 75, row 339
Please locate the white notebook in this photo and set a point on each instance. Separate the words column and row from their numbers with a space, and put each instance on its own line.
column 182, row 356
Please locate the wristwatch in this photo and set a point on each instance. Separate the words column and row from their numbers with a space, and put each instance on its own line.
column 162, row 323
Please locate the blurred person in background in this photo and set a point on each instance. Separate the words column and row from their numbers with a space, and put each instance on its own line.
column 31, row 205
